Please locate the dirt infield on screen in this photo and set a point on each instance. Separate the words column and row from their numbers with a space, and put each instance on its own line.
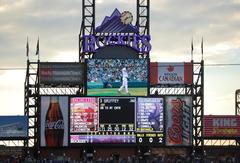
column 114, row 92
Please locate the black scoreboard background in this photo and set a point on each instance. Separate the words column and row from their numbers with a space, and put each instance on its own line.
column 117, row 114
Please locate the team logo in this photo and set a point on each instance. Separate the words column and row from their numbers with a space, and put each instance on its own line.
column 126, row 17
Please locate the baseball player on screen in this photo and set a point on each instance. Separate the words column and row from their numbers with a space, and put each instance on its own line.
column 124, row 81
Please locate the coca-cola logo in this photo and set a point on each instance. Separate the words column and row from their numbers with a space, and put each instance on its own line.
column 54, row 125
column 175, row 131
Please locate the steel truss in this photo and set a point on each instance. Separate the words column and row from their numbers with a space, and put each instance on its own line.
column 31, row 99
column 13, row 143
column 196, row 90
column 227, row 141
column 237, row 109
column 143, row 15
column 237, row 102
column 198, row 103
column 33, row 91
column 143, row 22
column 219, row 142
column 87, row 26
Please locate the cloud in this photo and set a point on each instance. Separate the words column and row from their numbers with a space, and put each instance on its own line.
column 11, row 5
column 175, row 22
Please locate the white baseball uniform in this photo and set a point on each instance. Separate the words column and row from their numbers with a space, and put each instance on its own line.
column 124, row 80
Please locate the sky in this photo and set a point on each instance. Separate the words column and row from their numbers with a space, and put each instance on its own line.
column 173, row 24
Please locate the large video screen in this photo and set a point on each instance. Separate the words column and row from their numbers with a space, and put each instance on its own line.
column 149, row 124
column 83, row 114
column 117, row 77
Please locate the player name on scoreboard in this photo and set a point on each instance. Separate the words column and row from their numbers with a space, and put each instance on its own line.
column 119, row 120
column 117, row 114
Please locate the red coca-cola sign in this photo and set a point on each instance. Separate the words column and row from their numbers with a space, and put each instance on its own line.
column 54, row 112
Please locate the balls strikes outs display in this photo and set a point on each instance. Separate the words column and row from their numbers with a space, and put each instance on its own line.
column 126, row 17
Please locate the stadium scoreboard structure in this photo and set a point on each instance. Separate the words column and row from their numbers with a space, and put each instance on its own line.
column 107, row 99
column 156, row 121
column 116, row 106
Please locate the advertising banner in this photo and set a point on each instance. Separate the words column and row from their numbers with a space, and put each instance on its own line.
column 171, row 73
column 61, row 73
column 54, row 121
column 178, row 120
column 221, row 126
column 11, row 151
column 13, row 127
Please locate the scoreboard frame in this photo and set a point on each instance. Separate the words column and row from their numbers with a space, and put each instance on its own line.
column 134, row 132
column 146, row 136
column 100, row 133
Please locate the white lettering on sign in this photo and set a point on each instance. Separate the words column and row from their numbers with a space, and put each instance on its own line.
column 224, row 122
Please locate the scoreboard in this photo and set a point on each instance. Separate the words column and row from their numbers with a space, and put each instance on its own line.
column 116, row 120
column 141, row 121
column 149, row 121
column 117, row 114
column 102, row 120
column 150, row 114
column 83, row 115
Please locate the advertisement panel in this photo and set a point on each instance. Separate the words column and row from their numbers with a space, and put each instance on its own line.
column 178, row 115
column 171, row 73
column 54, row 121
column 10, row 151
column 13, row 127
column 53, row 73
column 221, row 126
column 83, row 114
column 117, row 77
